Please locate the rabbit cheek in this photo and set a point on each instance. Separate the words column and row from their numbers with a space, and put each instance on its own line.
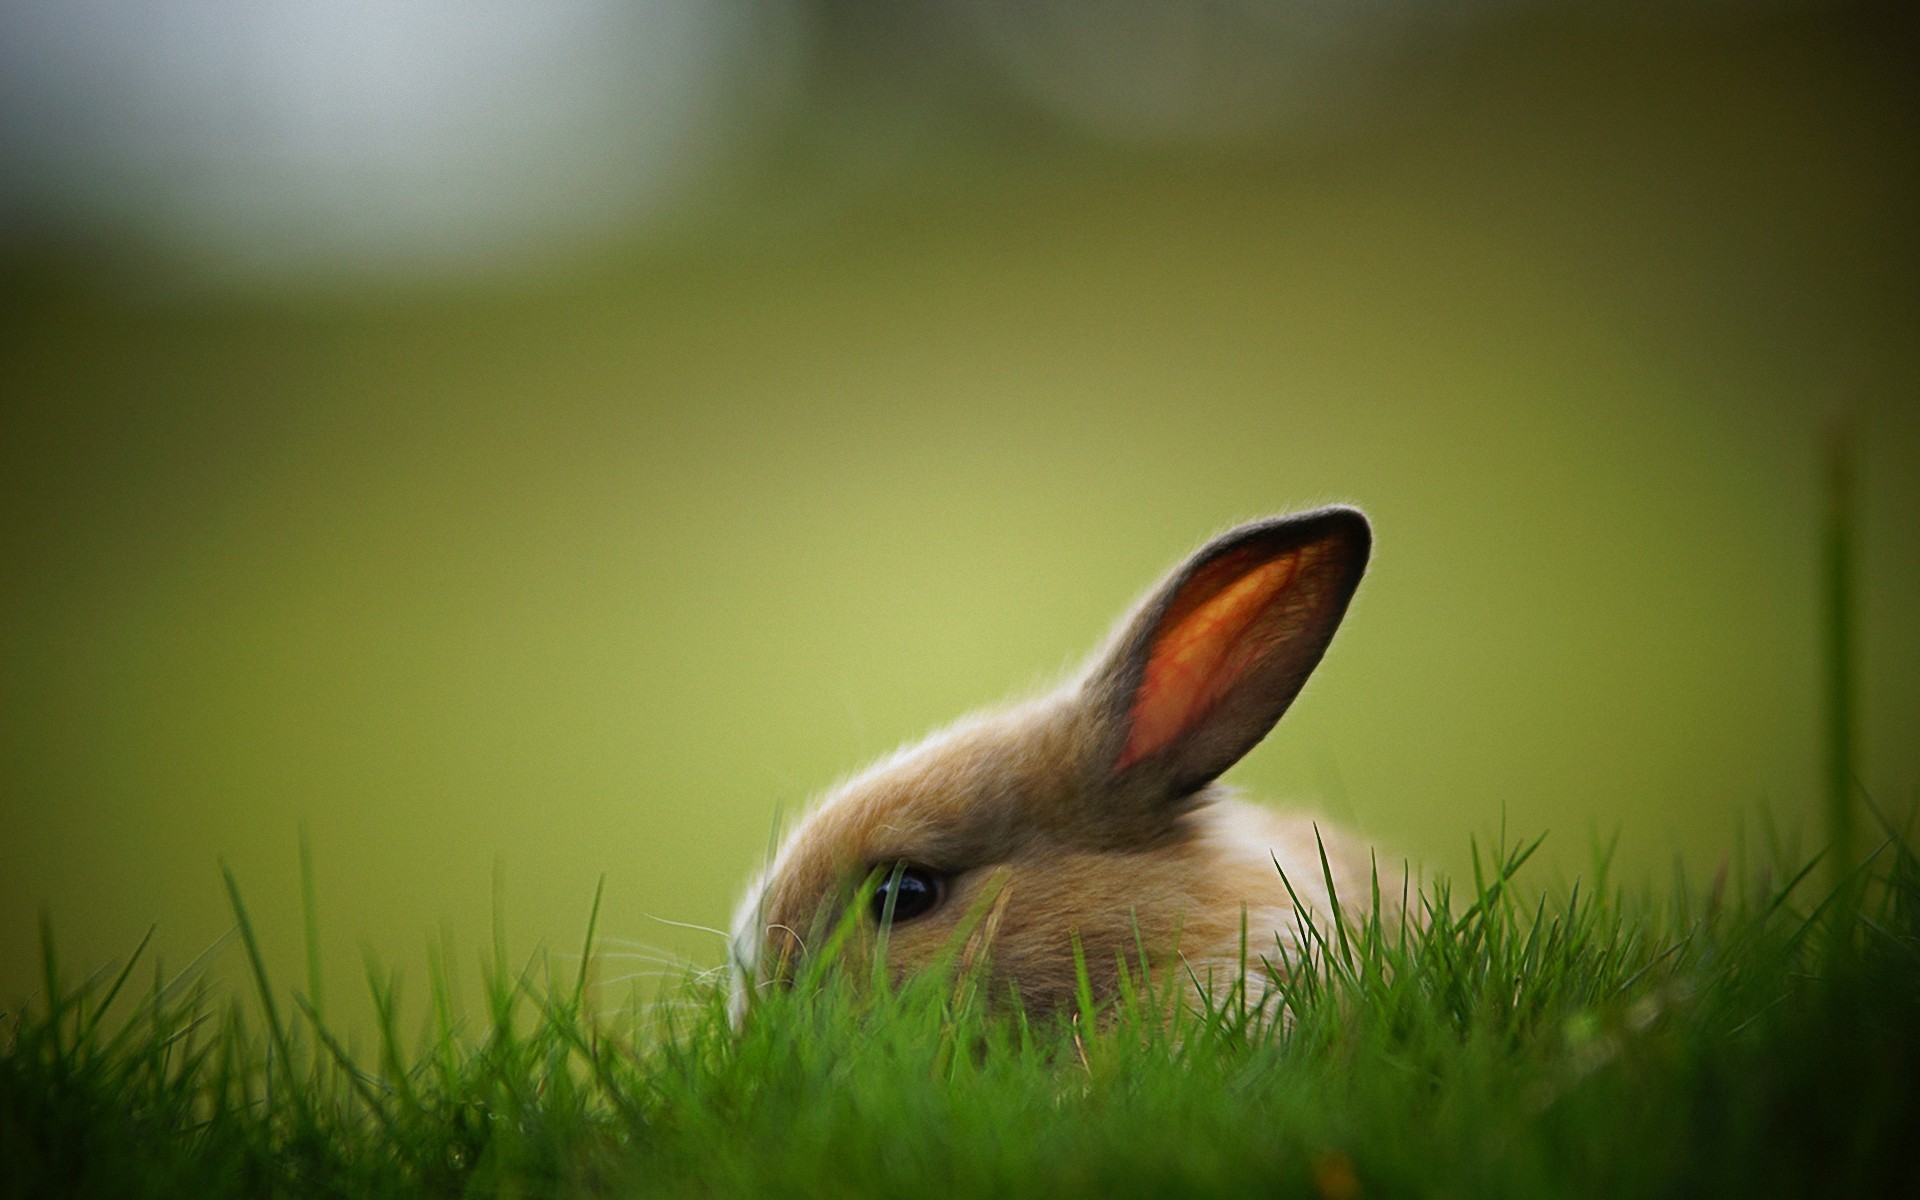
column 1105, row 908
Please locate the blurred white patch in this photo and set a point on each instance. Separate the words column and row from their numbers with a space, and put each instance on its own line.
column 348, row 138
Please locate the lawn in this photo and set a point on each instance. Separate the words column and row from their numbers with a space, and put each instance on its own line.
column 1754, row 1034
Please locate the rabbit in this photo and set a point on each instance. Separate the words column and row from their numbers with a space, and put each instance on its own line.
column 1088, row 821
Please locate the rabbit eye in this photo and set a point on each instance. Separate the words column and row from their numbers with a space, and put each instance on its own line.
column 906, row 892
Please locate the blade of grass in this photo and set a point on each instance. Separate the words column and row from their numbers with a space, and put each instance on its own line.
column 310, row 918
column 1837, row 620
column 276, row 1031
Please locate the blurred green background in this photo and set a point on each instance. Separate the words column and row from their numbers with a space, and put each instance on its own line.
column 569, row 479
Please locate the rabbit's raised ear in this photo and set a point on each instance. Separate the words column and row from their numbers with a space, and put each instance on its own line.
column 1213, row 657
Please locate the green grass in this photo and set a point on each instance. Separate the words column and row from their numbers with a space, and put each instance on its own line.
column 1750, row 1037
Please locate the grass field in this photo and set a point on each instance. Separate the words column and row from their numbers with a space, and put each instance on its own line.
column 1757, row 1034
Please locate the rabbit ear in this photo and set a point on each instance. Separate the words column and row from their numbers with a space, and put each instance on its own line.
column 1213, row 657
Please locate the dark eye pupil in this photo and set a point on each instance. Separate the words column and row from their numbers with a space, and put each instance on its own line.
column 907, row 891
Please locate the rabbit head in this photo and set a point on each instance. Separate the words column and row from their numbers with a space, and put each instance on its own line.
column 1087, row 820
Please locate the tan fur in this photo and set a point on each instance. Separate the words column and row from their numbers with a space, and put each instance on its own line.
column 1048, row 828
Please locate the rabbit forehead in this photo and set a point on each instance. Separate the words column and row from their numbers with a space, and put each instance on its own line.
column 981, row 792
column 969, row 795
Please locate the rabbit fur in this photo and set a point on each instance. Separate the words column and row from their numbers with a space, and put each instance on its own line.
column 1091, row 815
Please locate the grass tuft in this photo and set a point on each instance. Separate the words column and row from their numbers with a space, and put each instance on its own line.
column 1758, row 1039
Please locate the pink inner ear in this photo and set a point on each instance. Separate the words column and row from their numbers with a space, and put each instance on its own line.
column 1195, row 661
